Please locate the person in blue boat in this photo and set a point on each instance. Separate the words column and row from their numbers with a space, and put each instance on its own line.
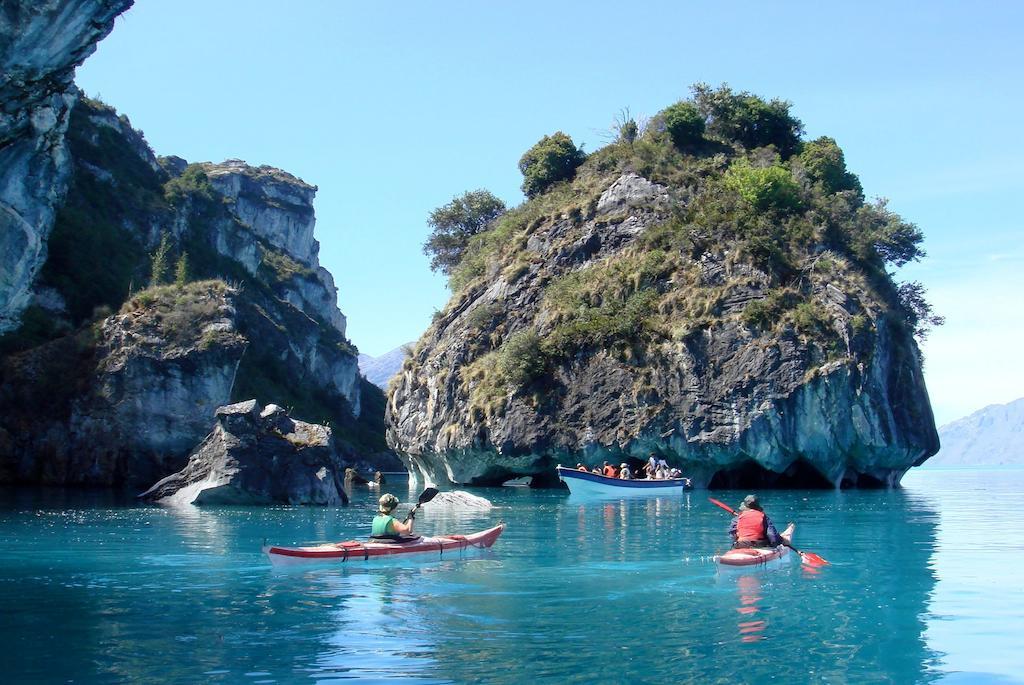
column 385, row 525
column 624, row 472
column 651, row 467
column 752, row 527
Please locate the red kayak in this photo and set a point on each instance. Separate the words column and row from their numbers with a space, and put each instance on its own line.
column 753, row 556
column 356, row 550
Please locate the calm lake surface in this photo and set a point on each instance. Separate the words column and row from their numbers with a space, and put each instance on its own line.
column 925, row 586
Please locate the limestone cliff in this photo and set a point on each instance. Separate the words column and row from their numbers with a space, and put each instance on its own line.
column 228, row 221
column 41, row 43
column 87, row 207
column 123, row 400
column 715, row 302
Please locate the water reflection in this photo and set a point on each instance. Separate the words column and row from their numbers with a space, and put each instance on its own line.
column 974, row 612
column 375, row 633
column 751, row 626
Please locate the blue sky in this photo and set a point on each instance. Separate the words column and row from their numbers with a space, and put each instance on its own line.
column 394, row 108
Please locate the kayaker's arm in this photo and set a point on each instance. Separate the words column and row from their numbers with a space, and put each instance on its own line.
column 771, row 532
column 403, row 527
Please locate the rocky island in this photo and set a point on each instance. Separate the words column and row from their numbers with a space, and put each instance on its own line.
column 711, row 287
column 140, row 293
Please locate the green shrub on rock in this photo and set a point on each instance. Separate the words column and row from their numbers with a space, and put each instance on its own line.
column 160, row 263
column 764, row 188
column 684, row 124
column 764, row 314
column 747, row 119
column 453, row 224
column 552, row 160
column 192, row 182
column 824, row 163
column 520, row 359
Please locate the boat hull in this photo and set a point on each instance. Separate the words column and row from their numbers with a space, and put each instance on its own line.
column 595, row 485
column 357, row 551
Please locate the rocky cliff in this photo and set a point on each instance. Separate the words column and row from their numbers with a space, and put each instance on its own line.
column 714, row 301
column 41, row 43
column 125, row 224
column 229, row 222
column 123, row 400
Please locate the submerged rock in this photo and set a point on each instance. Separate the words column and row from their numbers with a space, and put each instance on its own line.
column 257, row 456
column 458, row 499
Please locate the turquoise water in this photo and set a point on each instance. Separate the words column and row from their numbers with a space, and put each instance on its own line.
column 922, row 588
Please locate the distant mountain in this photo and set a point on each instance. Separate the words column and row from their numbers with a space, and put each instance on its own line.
column 993, row 436
column 379, row 370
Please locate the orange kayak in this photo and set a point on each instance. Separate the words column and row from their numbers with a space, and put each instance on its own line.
column 357, row 550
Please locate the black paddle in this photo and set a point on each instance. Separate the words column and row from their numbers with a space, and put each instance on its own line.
column 425, row 496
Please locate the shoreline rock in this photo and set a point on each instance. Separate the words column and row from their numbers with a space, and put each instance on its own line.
column 257, row 456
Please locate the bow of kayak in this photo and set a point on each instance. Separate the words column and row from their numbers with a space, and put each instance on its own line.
column 358, row 550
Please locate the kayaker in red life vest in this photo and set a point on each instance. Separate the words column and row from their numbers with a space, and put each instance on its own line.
column 385, row 525
column 753, row 528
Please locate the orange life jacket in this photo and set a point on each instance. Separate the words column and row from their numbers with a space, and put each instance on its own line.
column 750, row 526
column 610, row 471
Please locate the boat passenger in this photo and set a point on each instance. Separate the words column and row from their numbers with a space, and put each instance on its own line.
column 610, row 470
column 581, row 467
column 662, row 468
column 651, row 467
column 624, row 472
column 752, row 527
column 385, row 525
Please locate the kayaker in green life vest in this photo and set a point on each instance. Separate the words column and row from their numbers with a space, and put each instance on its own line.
column 385, row 525
column 752, row 527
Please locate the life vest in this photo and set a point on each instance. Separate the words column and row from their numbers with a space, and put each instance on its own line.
column 750, row 526
column 381, row 523
column 610, row 472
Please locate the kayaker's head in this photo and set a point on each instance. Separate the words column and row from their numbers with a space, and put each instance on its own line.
column 750, row 502
column 387, row 503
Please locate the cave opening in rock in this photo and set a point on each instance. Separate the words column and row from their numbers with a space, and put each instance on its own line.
column 861, row 480
column 749, row 475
